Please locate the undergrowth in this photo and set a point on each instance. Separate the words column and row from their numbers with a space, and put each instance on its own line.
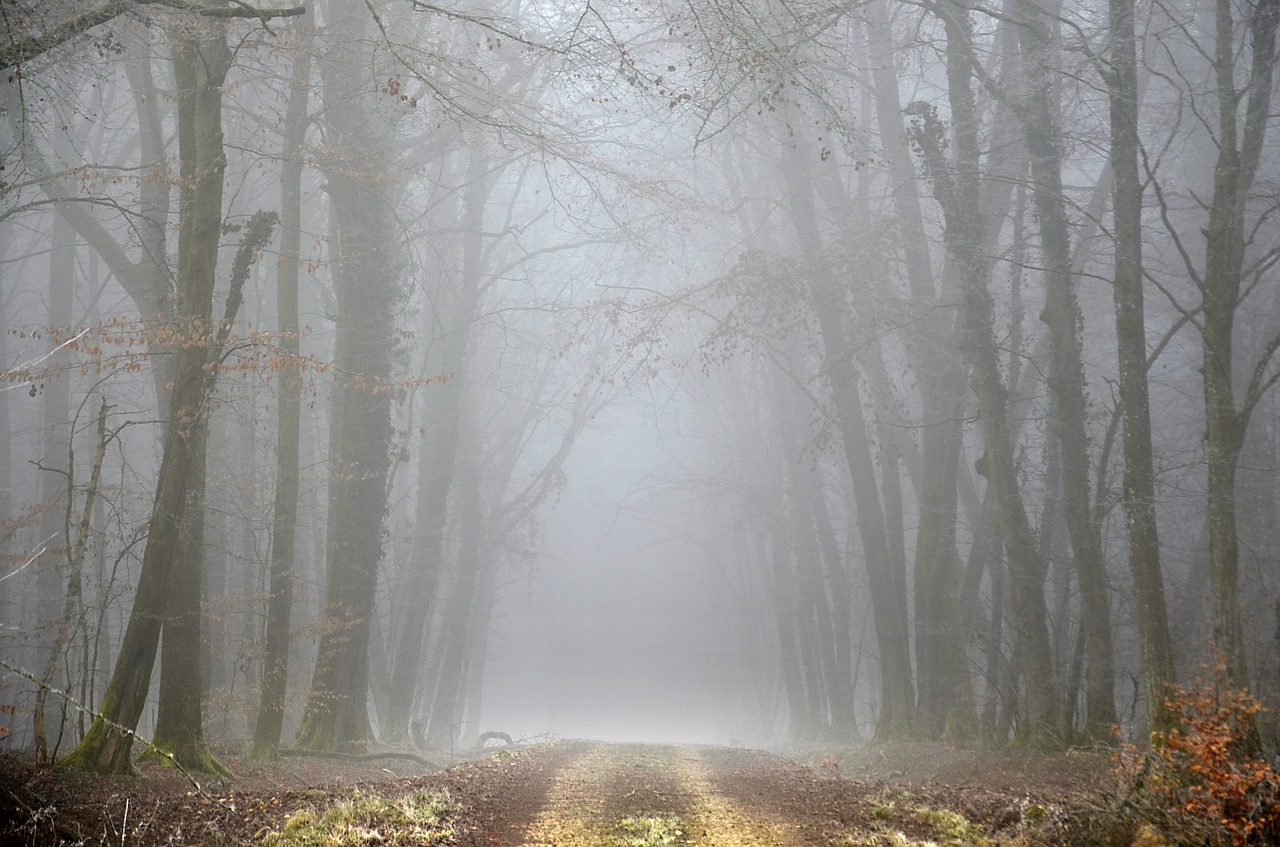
column 420, row 818
column 893, row 813
column 1204, row 782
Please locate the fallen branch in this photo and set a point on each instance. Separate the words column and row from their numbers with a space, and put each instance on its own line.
column 359, row 757
column 34, row 807
column 492, row 736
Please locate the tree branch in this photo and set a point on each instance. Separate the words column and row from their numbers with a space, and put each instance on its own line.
column 30, row 47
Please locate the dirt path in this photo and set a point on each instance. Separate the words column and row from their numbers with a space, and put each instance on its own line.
column 567, row 794
column 643, row 794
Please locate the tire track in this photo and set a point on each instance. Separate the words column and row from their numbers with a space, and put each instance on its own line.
column 612, row 783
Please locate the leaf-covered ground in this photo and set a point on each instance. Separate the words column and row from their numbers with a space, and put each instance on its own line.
column 582, row 794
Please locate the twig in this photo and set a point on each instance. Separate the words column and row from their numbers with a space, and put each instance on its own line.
column 27, row 563
column 18, row 370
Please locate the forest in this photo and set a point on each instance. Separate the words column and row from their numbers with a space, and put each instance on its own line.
column 379, row 373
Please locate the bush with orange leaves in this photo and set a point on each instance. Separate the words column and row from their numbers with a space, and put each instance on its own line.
column 1208, row 777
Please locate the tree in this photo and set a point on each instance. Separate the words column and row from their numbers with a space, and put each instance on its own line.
column 275, row 658
column 1131, row 342
column 1067, row 377
column 886, row 575
column 365, row 280
column 957, row 185
column 202, row 59
column 1224, row 285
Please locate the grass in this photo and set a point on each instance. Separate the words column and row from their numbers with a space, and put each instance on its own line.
column 949, row 828
column 945, row 828
column 365, row 818
column 648, row 832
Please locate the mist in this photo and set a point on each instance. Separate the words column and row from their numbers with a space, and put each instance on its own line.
column 383, row 376
column 627, row 627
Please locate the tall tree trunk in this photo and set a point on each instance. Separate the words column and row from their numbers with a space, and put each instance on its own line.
column 1154, row 646
column 336, row 715
column 439, row 457
column 945, row 699
column 815, row 547
column 1066, row 377
column 438, row 465
column 284, row 513
column 201, row 61
column 1239, row 153
column 443, row 726
column 888, row 588
column 180, row 715
column 957, row 184
column 472, row 688
column 77, row 537
column 54, row 467
column 784, row 596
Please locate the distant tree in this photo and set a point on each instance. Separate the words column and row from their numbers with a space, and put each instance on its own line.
column 886, row 572
column 1036, row 112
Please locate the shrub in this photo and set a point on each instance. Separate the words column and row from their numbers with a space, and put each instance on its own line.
column 1208, row 775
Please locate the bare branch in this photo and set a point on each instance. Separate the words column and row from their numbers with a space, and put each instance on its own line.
column 30, row 47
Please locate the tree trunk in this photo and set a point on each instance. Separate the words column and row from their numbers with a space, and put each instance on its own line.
column 443, row 726
column 336, row 716
column 201, row 61
column 1066, row 376
column 439, row 457
column 786, row 613
column 72, row 608
column 817, row 556
column 945, row 703
column 1154, row 646
column 888, row 588
column 1239, row 152
column 54, row 468
column 956, row 185
column 284, row 521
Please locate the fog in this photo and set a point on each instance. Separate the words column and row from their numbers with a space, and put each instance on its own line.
column 383, row 374
column 628, row 626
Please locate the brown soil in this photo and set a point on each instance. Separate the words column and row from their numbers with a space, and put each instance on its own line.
column 577, row 794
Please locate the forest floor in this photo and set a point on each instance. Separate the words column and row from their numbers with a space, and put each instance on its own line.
column 586, row 794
